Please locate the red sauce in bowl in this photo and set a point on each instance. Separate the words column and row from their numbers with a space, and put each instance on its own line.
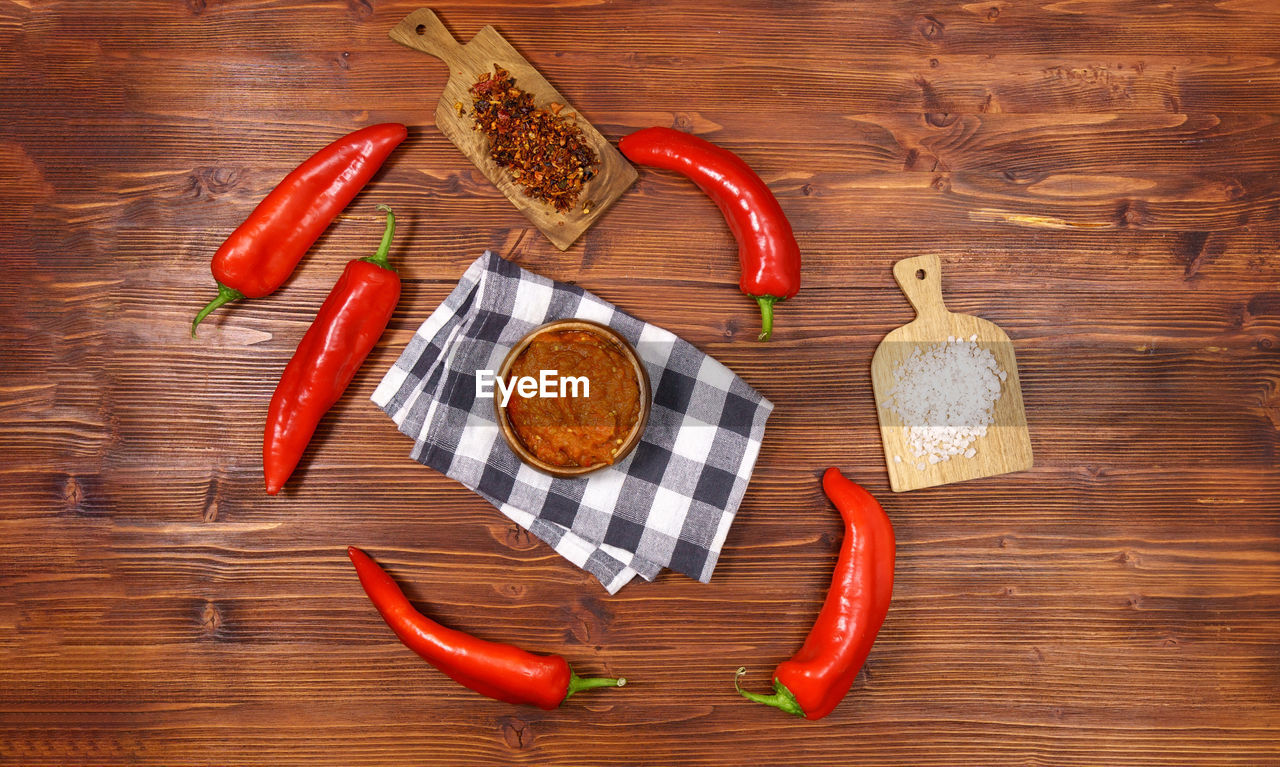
column 575, row 431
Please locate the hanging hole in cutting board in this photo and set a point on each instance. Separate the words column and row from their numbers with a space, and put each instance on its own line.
column 421, row 29
column 920, row 274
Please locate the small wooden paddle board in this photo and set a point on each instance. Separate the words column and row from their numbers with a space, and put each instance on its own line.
column 1006, row 446
column 422, row 30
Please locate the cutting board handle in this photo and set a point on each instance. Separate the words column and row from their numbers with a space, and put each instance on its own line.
column 423, row 31
column 921, row 280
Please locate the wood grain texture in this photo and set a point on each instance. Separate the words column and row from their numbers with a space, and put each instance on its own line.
column 424, row 31
column 1003, row 447
column 1100, row 179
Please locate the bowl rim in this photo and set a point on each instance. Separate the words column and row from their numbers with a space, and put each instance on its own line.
column 637, row 365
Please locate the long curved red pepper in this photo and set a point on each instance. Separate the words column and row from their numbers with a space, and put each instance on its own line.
column 349, row 323
column 814, row 681
column 767, row 249
column 262, row 252
column 499, row 671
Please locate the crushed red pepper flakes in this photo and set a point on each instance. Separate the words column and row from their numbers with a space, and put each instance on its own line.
column 545, row 151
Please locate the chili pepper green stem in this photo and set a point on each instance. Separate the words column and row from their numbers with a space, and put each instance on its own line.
column 781, row 698
column 766, row 316
column 380, row 258
column 225, row 296
column 578, row 684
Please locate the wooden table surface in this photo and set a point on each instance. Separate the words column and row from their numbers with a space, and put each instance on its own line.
column 1100, row 178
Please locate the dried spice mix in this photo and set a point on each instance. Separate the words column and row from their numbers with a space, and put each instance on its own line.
column 545, row 151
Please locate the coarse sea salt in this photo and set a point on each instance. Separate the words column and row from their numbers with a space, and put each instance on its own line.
column 944, row 394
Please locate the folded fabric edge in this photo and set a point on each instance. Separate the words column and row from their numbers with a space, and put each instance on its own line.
column 393, row 381
column 624, row 577
column 747, row 471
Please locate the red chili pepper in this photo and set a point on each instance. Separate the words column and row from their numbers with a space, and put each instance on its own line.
column 814, row 681
column 767, row 249
column 500, row 671
column 261, row 253
column 349, row 323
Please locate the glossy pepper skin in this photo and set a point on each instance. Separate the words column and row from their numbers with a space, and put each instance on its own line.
column 767, row 249
column 499, row 671
column 262, row 252
column 349, row 323
column 814, row 681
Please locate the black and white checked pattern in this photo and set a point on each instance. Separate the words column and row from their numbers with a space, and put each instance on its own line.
column 668, row 504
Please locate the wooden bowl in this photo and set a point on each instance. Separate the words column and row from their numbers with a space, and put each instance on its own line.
column 633, row 437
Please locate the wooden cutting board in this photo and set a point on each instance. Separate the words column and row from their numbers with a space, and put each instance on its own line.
column 422, row 30
column 1006, row 446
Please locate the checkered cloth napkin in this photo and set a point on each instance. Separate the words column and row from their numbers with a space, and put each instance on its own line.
column 668, row 504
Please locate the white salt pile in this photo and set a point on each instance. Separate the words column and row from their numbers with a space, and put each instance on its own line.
column 944, row 395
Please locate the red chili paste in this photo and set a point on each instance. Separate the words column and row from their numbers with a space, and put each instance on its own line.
column 582, row 430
